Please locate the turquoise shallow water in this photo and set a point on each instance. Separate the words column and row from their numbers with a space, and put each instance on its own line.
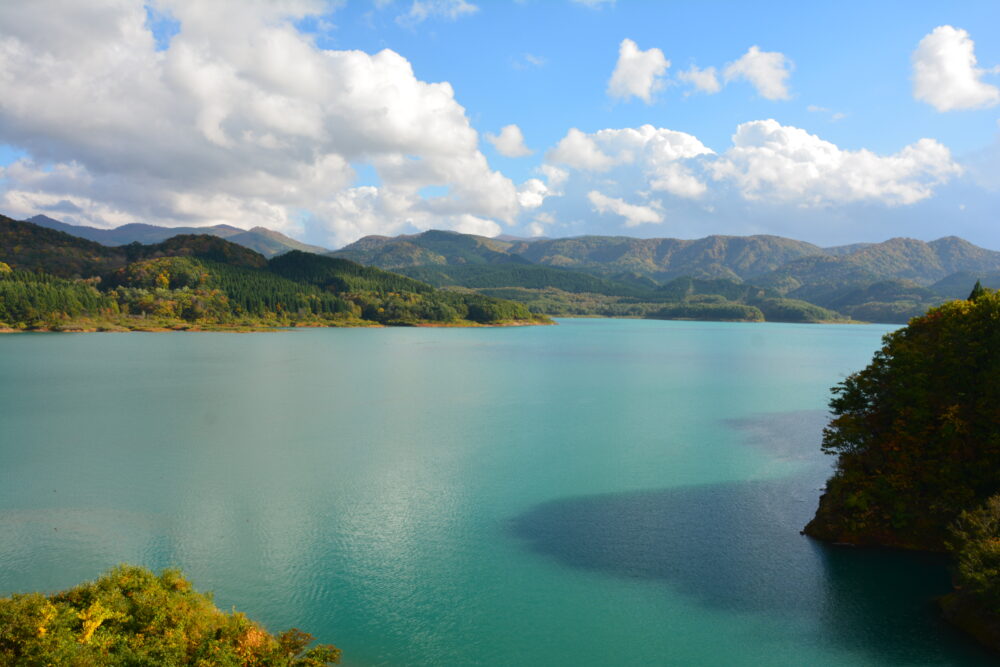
column 610, row 492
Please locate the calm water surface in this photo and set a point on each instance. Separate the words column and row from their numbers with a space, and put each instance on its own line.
column 607, row 492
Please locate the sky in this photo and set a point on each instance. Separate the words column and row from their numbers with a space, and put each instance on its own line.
column 328, row 121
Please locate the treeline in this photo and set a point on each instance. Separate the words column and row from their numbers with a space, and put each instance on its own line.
column 683, row 298
column 192, row 281
column 28, row 297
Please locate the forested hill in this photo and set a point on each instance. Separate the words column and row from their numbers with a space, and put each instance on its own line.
column 748, row 258
column 890, row 281
column 265, row 241
column 660, row 259
column 52, row 280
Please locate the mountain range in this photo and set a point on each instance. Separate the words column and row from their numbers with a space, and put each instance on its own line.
column 50, row 280
column 776, row 277
column 265, row 241
column 889, row 281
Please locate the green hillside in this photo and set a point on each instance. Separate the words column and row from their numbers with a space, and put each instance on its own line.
column 890, row 281
column 51, row 280
column 431, row 247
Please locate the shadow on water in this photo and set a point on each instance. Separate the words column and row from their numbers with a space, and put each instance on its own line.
column 736, row 547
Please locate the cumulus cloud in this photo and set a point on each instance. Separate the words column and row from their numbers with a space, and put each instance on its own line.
column 532, row 193
column 634, row 214
column 658, row 153
column 767, row 71
column 510, row 142
column 769, row 161
column 606, row 148
column 767, row 164
column 554, row 176
column 579, row 150
column 678, row 180
column 241, row 119
column 945, row 74
column 638, row 73
column 704, row 80
column 537, row 226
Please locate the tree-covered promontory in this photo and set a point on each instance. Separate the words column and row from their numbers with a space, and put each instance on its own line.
column 917, row 432
column 917, row 440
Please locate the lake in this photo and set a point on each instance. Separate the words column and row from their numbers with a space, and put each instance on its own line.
column 615, row 492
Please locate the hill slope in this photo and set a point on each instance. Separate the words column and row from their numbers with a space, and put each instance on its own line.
column 51, row 280
column 265, row 241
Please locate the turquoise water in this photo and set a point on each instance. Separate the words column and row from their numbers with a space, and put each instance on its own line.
column 609, row 492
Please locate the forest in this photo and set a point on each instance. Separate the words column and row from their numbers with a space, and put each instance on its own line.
column 53, row 281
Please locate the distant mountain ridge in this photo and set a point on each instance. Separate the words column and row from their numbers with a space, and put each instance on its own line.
column 888, row 281
column 765, row 257
column 661, row 259
column 265, row 241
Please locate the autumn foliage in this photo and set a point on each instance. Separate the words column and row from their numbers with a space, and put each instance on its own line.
column 130, row 616
column 917, row 432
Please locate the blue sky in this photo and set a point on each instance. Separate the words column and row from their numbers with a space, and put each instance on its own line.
column 855, row 121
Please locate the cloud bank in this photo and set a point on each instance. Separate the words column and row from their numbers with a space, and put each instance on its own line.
column 260, row 128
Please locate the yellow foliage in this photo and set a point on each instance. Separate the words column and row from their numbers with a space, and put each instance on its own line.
column 92, row 618
column 48, row 613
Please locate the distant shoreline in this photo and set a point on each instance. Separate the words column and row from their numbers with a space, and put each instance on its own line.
column 70, row 328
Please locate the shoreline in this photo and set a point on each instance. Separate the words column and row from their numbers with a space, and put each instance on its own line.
column 69, row 328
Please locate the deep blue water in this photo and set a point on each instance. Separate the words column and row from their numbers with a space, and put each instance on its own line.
column 610, row 492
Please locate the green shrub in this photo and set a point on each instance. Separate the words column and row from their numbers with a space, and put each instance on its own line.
column 130, row 616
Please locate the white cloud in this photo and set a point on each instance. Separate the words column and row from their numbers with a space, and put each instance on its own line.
column 945, row 73
column 634, row 214
column 510, row 142
column 638, row 73
column 653, row 149
column 776, row 163
column 537, row 226
column 470, row 224
column 421, row 10
column 580, row 151
column 767, row 71
column 554, row 177
column 532, row 193
column 704, row 80
column 678, row 180
column 594, row 4
column 241, row 120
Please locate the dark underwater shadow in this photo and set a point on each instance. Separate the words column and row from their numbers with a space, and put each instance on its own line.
column 737, row 546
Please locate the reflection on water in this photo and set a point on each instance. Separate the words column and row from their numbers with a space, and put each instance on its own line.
column 737, row 547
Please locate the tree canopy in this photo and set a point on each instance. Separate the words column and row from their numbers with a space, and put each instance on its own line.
column 130, row 616
column 917, row 432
